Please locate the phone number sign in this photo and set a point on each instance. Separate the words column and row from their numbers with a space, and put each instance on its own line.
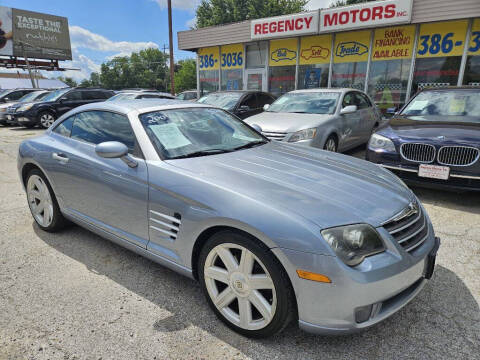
column 232, row 57
column 209, row 58
column 442, row 39
column 474, row 48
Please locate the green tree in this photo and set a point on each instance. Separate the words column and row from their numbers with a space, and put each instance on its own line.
column 186, row 75
column 217, row 12
column 68, row 81
column 348, row 2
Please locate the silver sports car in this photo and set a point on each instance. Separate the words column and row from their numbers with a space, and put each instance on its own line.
column 330, row 119
column 273, row 232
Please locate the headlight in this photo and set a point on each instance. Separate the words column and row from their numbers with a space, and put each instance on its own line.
column 352, row 243
column 3, row 109
column 24, row 107
column 381, row 143
column 303, row 135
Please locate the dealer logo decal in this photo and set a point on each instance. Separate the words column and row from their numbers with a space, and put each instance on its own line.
column 351, row 48
column 283, row 54
column 315, row 52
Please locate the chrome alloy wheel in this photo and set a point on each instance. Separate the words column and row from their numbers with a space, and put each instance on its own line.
column 40, row 200
column 330, row 145
column 240, row 286
column 46, row 120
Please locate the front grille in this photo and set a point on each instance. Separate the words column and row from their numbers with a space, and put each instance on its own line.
column 410, row 231
column 272, row 135
column 458, row 155
column 420, row 153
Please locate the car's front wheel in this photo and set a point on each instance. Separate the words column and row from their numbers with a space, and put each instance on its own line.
column 46, row 119
column 245, row 285
column 331, row 144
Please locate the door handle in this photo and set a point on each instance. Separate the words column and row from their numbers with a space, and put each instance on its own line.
column 60, row 157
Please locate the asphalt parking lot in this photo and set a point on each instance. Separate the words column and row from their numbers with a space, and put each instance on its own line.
column 74, row 295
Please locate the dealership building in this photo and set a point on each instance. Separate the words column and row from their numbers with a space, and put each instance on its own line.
column 390, row 49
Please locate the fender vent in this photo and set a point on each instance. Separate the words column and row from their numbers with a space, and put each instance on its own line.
column 165, row 224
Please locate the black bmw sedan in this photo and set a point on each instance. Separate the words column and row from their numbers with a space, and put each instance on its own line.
column 434, row 140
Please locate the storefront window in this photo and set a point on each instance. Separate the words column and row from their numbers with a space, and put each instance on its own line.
column 314, row 61
column 208, row 69
column 390, row 68
column 439, row 54
column 256, row 55
column 232, row 60
column 350, row 59
column 472, row 70
column 208, row 81
column 282, row 62
column 232, row 79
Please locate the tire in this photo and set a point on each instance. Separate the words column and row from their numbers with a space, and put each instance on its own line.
column 39, row 192
column 331, row 144
column 46, row 119
column 268, row 304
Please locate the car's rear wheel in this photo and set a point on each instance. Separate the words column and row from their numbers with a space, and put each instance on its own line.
column 46, row 119
column 42, row 202
column 331, row 144
column 245, row 285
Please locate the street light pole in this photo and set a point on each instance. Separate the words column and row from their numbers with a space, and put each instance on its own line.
column 172, row 64
column 28, row 65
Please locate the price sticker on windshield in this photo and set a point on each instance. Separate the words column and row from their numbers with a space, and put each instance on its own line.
column 209, row 58
column 442, row 39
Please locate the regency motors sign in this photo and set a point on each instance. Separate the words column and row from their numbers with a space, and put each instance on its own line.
column 377, row 13
column 40, row 35
column 283, row 26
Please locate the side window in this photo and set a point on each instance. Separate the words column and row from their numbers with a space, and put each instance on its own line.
column 250, row 101
column 96, row 127
column 361, row 101
column 72, row 96
column 15, row 95
column 65, row 127
column 190, row 96
column 264, row 99
column 146, row 96
column 181, row 96
column 92, row 95
column 348, row 99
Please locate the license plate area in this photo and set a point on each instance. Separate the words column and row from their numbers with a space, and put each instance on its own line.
column 434, row 171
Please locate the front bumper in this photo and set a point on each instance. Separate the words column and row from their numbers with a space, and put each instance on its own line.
column 384, row 283
column 23, row 118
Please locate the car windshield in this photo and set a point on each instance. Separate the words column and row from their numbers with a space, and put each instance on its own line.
column 123, row 96
column 192, row 132
column 445, row 105
column 308, row 103
column 36, row 95
column 54, row 95
column 226, row 100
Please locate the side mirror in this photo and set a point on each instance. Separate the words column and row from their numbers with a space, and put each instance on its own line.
column 256, row 127
column 266, row 107
column 350, row 109
column 244, row 108
column 115, row 150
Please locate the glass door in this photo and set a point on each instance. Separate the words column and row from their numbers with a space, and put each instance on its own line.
column 256, row 79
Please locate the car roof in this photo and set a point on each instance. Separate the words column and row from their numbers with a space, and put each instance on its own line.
column 465, row 87
column 144, row 93
column 236, row 91
column 316, row 90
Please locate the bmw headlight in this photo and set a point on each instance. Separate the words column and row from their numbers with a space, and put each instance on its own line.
column 303, row 135
column 381, row 143
column 353, row 243
column 25, row 107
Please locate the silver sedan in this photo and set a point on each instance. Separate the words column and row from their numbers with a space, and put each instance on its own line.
column 273, row 232
column 330, row 119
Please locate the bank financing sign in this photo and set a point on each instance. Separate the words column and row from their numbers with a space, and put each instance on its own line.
column 41, row 36
column 373, row 14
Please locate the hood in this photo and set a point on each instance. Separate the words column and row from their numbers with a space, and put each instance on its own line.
column 418, row 128
column 326, row 188
column 286, row 122
column 8, row 104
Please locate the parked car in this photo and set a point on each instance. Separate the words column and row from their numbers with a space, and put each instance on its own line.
column 330, row 119
column 434, row 140
column 57, row 103
column 270, row 230
column 9, row 95
column 189, row 95
column 124, row 95
column 243, row 103
column 29, row 97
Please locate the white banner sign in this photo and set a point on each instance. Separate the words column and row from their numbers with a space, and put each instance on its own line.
column 377, row 13
column 283, row 26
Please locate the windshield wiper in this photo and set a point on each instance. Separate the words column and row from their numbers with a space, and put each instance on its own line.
column 251, row 144
column 201, row 153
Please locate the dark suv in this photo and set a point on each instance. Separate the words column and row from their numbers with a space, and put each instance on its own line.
column 57, row 103
column 9, row 95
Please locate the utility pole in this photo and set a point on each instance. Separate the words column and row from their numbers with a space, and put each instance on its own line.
column 170, row 36
column 28, row 65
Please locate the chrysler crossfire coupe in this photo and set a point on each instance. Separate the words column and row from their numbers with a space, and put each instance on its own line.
column 273, row 232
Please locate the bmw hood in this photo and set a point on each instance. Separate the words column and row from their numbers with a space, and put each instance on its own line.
column 326, row 188
column 286, row 122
